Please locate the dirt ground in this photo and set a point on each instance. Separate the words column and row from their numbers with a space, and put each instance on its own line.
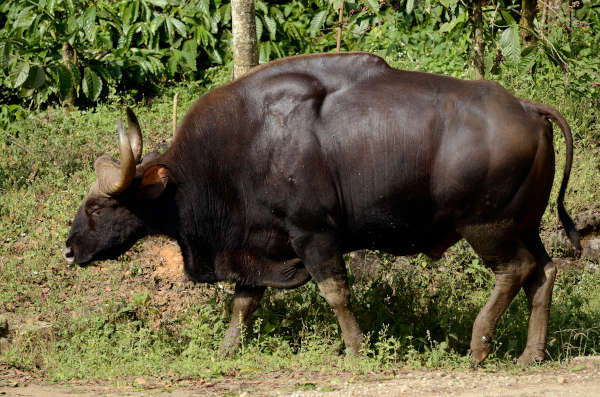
column 580, row 378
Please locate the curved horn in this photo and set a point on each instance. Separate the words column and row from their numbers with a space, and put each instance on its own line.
column 135, row 135
column 112, row 179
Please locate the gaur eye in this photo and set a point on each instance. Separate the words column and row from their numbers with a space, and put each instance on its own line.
column 93, row 210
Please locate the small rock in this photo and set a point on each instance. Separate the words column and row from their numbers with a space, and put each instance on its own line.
column 561, row 380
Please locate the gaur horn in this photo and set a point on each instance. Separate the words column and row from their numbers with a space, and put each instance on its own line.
column 113, row 179
column 135, row 135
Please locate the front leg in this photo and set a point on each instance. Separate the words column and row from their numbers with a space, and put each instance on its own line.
column 245, row 302
column 322, row 258
column 336, row 292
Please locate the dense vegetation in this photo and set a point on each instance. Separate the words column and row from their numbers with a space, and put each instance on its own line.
column 49, row 48
column 107, row 320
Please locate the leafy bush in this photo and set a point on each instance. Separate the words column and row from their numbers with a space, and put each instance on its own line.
column 135, row 45
column 115, row 45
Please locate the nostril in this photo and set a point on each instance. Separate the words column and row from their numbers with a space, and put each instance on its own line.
column 68, row 254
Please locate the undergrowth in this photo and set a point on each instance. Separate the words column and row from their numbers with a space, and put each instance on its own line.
column 414, row 312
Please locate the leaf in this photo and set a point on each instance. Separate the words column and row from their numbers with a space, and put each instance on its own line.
column 173, row 62
column 450, row 25
column 158, row 3
column 317, row 22
column 528, row 58
column 156, row 23
column 115, row 72
column 91, row 84
column 204, row 6
column 278, row 15
column 19, row 74
column 410, row 4
column 64, row 82
column 102, row 71
column 4, row 54
column 130, row 12
column 125, row 39
column 189, row 53
column 75, row 74
column 178, row 25
column 214, row 23
column 50, row 6
column 215, row 56
column 225, row 13
column 271, row 27
column 146, row 66
column 259, row 27
column 89, row 23
column 36, row 78
column 508, row 18
column 510, row 44
column 287, row 10
column 260, row 5
column 72, row 24
column 158, row 66
column 373, row 5
column 24, row 19
column 264, row 52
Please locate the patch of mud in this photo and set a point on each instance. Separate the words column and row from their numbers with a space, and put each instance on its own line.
column 170, row 292
column 164, row 256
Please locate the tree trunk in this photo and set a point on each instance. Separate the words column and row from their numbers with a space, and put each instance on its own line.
column 245, row 48
column 528, row 11
column 553, row 9
column 69, row 58
column 339, row 29
column 476, row 17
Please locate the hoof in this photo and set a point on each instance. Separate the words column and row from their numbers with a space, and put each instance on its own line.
column 531, row 357
column 227, row 352
column 228, row 348
column 353, row 345
column 480, row 350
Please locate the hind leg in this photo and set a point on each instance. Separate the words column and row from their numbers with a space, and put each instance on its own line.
column 504, row 252
column 245, row 302
column 538, row 288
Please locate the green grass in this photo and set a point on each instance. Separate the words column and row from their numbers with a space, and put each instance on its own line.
column 414, row 314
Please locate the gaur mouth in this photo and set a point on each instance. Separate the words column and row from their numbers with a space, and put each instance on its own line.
column 69, row 255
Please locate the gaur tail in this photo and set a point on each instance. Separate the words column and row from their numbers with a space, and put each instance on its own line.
column 565, row 219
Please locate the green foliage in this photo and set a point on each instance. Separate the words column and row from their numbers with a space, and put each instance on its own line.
column 134, row 45
column 117, row 45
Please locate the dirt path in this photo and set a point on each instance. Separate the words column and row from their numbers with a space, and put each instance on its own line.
column 580, row 378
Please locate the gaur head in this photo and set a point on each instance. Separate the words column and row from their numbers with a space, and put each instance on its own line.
column 120, row 205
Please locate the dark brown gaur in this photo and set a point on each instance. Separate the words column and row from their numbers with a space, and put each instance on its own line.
column 272, row 177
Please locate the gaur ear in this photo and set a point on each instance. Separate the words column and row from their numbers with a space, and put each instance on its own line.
column 154, row 182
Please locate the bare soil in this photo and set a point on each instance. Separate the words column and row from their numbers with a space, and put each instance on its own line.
column 579, row 378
